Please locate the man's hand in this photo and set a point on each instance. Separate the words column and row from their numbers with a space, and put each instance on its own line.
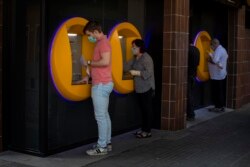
column 85, row 80
column 219, row 65
column 209, row 59
column 84, row 63
column 210, row 54
column 135, row 72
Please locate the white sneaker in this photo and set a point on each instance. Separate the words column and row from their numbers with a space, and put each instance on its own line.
column 97, row 151
column 109, row 147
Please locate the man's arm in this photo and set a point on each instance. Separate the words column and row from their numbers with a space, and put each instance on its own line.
column 212, row 61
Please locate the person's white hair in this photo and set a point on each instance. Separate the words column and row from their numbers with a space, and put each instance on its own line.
column 216, row 41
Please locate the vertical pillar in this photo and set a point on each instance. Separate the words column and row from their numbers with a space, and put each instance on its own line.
column 174, row 79
column 1, row 73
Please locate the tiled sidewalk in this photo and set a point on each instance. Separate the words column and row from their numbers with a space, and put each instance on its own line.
column 212, row 140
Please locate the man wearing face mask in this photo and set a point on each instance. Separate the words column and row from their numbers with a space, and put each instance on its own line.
column 142, row 70
column 217, row 65
column 102, row 85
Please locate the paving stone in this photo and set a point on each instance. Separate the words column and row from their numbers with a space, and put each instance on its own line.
column 220, row 142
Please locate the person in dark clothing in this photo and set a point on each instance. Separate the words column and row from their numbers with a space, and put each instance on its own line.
column 193, row 62
column 141, row 68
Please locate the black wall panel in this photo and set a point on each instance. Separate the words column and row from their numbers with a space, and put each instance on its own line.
column 21, row 75
column 39, row 120
column 247, row 17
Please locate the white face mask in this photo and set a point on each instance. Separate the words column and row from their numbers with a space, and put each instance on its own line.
column 135, row 51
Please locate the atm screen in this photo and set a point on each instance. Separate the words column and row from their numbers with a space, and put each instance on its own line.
column 76, row 48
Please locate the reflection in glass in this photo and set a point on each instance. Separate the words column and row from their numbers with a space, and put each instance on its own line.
column 126, row 74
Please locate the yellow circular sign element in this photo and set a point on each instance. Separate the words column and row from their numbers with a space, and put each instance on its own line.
column 61, row 59
column 121, row 38
column 203, row 42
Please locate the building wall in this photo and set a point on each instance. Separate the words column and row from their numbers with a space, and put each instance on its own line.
column 238, row 86
column 1, row 66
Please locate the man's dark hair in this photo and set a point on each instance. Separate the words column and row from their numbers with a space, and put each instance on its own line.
column 139, row 43
column 92, row 26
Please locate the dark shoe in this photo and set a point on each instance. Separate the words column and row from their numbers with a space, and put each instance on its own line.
column 217, row 110
column 190, row 118
column 144, row 135
column 212, row 109
column 137, row 133
column 220, row 110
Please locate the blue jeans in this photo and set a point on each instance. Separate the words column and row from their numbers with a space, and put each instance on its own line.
column 100, row 97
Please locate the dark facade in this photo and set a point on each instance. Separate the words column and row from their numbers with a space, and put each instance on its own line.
column 1, row 75
column 37, row 120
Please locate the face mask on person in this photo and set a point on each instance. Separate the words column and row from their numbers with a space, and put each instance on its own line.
column 135, row 51
column 91, row 39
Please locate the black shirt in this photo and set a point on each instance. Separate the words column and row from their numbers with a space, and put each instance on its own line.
column 193, row 60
